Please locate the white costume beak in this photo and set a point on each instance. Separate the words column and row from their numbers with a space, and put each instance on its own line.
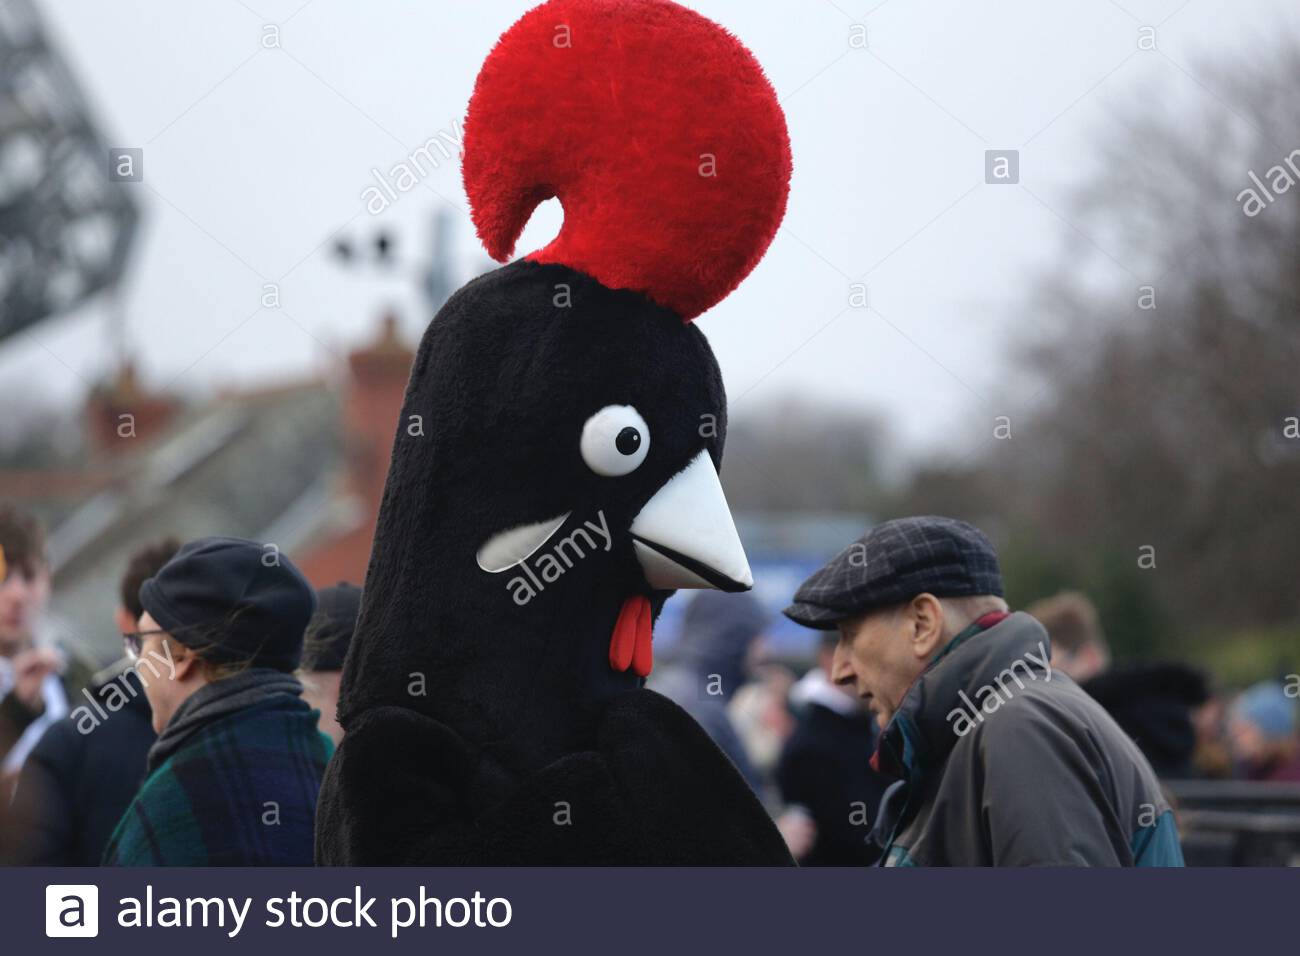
column 685, row 538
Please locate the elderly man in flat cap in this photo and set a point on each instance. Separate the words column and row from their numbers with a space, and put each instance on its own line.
column 999, row 759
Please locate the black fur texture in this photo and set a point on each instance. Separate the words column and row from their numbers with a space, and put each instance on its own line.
column 483, row 731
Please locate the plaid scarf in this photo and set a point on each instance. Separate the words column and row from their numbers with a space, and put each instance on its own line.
column 240, row 790
column 217, row 699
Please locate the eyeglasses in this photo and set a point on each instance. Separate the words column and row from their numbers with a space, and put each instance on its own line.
column 133, row 641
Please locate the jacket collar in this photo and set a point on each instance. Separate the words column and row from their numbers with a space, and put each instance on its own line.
column 920, row 735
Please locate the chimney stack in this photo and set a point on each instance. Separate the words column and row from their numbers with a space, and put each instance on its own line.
column 373, row 405
column 121, row 415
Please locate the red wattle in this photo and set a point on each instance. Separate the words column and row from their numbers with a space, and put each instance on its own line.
column 643, row 654
column 622, row 643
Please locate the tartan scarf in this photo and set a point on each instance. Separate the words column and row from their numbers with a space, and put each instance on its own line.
column 239, row 790
column 217, row 699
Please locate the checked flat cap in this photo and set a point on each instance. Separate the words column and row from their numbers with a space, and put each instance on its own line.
column 893, row 563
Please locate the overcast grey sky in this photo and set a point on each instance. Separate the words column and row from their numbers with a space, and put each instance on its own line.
column 253, row 157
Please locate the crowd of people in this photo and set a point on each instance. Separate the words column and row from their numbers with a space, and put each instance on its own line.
column 800, row 741
column 206, row 742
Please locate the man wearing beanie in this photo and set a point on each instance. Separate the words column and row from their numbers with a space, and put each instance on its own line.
column 998, row 759
column 233, row 777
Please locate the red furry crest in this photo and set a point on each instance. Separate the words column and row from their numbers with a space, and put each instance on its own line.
column 654, row 127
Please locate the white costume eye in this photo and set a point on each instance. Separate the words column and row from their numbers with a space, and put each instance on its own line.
column 615, row 441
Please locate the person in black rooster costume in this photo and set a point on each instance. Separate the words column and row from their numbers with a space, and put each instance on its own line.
column 555, row 473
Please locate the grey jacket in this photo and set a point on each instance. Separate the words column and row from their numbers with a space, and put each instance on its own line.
column 1003, row 761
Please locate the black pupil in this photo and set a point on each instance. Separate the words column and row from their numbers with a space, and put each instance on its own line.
column 628, row 440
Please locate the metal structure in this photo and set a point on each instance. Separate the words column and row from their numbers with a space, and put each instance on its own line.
column 65, row 228
column 434, row 276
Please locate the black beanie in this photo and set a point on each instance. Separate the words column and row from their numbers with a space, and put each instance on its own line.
column 332, row 626
column 233, row 600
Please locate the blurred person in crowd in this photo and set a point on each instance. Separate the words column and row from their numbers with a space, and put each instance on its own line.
column 825, row 766
column 760, row 712
column 1155, row 703
column 999, row 759
column 324, row 650
column 711, row 662
column 1079, row 646
column 1213, row 756
column 38, row 677
column 235, row 772
column 716, row 656
column 86, row 769
column 1262, row 733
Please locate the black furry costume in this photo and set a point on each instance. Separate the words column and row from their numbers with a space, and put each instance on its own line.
column 489, row 716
